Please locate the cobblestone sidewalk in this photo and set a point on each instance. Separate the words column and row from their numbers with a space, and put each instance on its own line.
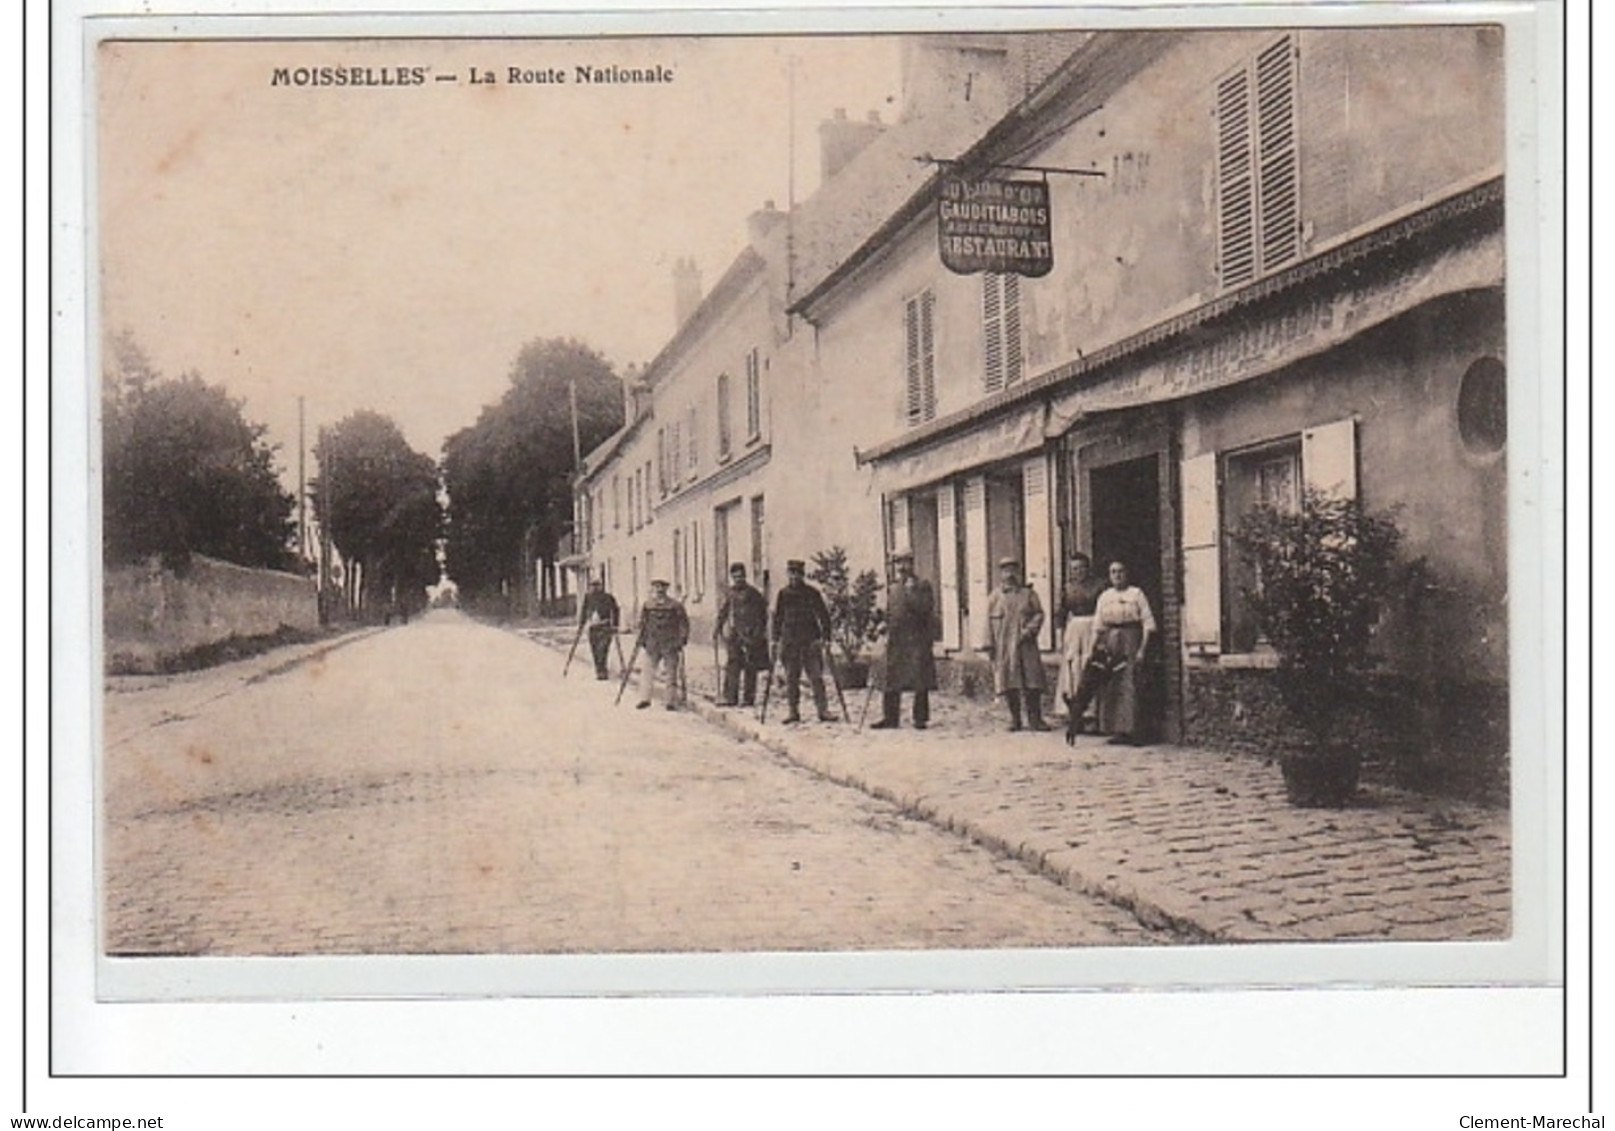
column 1199, row 842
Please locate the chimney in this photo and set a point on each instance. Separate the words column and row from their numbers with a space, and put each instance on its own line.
column 686, row 290
column 763, row 223
column 840, row 140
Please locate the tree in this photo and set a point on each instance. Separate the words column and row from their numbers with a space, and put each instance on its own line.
column 377, row 498
column 183, row 471
column 508, row 476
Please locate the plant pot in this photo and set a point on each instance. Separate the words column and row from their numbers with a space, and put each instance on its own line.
column 1321, row 779
column 852, row 676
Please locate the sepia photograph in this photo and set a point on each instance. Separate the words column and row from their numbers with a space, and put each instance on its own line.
column 1038, row 496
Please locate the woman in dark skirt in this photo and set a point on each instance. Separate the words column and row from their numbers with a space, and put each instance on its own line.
column 1124, row 625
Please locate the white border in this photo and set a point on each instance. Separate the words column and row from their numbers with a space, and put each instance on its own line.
column 1507, row 1033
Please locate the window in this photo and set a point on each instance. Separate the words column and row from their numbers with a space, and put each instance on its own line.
column 1483, row 407
column 1258, row 167
column 1217, row 489
column 920, row 359
column 675, row 458
column 1004, row 361
column 644, row 497
column 723, row 416
column 616, row 502
column 757, row 540
column 754, row 396
column 661, row 461
column 695, row 447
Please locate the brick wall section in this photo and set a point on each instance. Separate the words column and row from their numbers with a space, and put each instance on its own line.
column 151, row 612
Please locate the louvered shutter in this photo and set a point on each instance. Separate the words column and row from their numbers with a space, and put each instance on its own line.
column 899, row 535
column 1329, row 459
column 927, row 355
column 978, row 570
column 911, row 330
column 992, row 324
column 1035, row 499
column 1014, row 356
column 947, row 537
column 1202, row 562
column 1278, row 188
column 1236, row 188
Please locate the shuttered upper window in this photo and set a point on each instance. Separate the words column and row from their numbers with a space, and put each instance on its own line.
column 754, row 396
column 724, row 436
column 919, row 352
column 1004, row 360
column 1258, row 166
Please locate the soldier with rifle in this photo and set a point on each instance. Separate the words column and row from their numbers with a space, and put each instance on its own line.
column 801, row 631
column 743, row 628
column 599, row 617
column 664, row 630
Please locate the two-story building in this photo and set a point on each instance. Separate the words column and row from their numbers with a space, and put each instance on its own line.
column 1290, row 272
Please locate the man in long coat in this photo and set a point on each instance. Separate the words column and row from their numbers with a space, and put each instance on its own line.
column 664, row 630
column 1014, row 618
column 911, row 629
column 801, row 627
column 743, row 628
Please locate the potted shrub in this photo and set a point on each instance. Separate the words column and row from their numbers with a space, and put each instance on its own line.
column 1322, row 573
column 855, row 613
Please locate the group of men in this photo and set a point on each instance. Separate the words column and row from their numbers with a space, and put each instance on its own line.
column 799, row 630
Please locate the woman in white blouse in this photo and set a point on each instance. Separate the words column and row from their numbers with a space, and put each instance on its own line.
column 1125, row 625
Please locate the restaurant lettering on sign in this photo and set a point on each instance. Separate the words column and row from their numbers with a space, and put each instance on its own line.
column 994, row 225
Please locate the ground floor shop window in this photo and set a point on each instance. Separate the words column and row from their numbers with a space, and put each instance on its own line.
column 1269, row 476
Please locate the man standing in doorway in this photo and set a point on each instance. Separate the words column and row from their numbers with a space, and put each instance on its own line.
column 801, row 627
column 664, row 630
column 599, row 616
column 743, row 628
column 1014, row 618
column 911, row 629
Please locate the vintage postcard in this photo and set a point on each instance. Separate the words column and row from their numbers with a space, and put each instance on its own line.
column 821, row 504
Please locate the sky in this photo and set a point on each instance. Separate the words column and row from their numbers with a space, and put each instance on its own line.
column 392, row 247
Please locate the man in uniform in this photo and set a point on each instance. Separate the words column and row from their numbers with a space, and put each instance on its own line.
column 599, row 615
column 664, row 630
column 1014, row 618
column 801, row 626
column 743, row 628
column 911, row 629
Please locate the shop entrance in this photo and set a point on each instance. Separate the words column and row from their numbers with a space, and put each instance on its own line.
column 1125, row 525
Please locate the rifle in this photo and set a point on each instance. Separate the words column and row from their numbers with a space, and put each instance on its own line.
column 829, row 662
column 573, row 651
column 869, row 693
column 616, row 639
column 773, row 665
column 627, row 669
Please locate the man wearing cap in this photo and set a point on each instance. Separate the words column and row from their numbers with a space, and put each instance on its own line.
column 911, row 629
column 1014, row 617
column 743, row 628
column 599, row 615
column 664, row 629
column 801, row 626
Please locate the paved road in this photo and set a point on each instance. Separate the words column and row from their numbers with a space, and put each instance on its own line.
column 438, row 788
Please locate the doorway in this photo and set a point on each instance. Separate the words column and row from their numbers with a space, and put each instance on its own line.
column 1125, row 525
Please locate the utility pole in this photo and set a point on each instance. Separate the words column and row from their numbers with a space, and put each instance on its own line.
column 324, row 457
column 302, row 489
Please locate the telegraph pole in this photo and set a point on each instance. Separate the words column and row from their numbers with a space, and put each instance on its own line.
column 302, row 489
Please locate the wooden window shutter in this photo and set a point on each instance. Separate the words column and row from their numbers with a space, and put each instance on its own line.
column 1202, row 563
column 992, row 324
column 911, row 329
column 1014, row 355
column 1236, row 187
column 1278, row 187
column 928, row 355
column 1329, row 459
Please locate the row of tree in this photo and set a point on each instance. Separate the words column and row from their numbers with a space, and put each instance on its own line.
column 184, row 471
column 508, row 476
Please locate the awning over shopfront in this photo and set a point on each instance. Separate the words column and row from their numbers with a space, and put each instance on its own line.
column 1013, row 434
column 1265, row 344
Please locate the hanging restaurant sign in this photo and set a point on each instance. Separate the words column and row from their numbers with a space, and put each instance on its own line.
column 989, row 224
